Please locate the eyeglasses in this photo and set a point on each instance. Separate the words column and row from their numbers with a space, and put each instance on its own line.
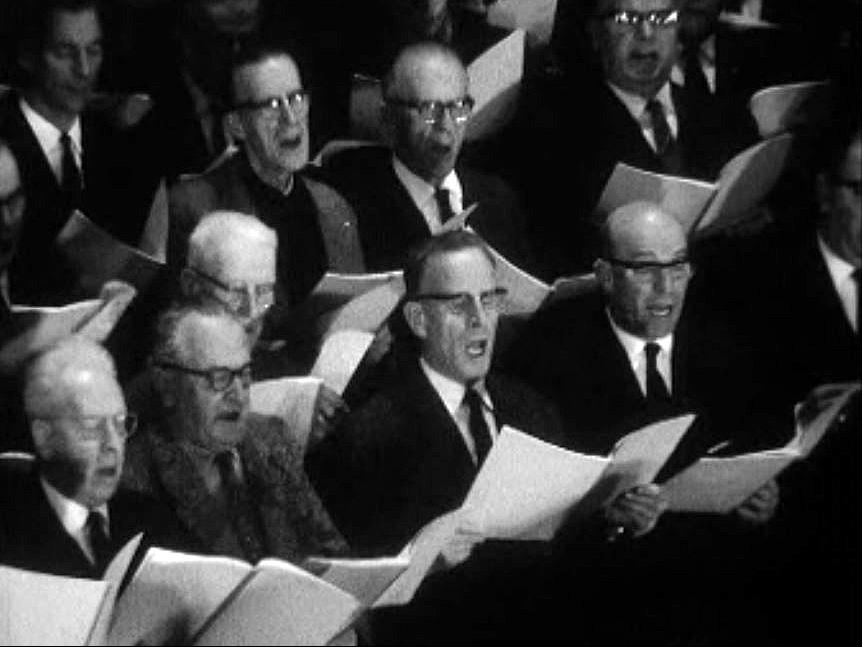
column 461, row 303
column 644, row 271
column 432, row 111
column 220, row 378
column 296, row 103
column 93, row 428
column 242, row 300
column 634, row 19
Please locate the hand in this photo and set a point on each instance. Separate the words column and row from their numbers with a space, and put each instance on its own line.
column 637, row 510
column 760, row 507
column 329, row 408
column 459, row 548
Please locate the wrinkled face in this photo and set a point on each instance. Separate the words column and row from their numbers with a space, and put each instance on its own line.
column 65, row 71
column 275, row 139
column 243, row 282
column 636, row 57
column 84, row 464
column 647, row 301
column 428, row 149
column 12, row 203
column 208, row 418
column 229, row 17
column 842, row 202
column 456, row 341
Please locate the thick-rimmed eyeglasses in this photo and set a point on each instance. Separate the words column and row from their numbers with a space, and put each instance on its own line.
column 433, row 111
column 219, row 378
column 634, row 19
column 644, row 271
column 93, row 428
column 242, row 300
column 461, row 303
column 296, row 103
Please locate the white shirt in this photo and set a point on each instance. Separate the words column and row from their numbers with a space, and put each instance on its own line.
column 73, row 517
column 452, row 394
column 636, row 105
column 840, row 272
column 422, row 193
column 635, row 350
column 706, row 56
column 48, row 136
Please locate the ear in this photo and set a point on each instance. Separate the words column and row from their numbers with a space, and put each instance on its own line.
column 414, row 315
column 604, row 274
column 41, row 431
column 233, row 125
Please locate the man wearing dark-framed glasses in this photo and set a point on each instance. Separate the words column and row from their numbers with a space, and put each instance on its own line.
column 233, row 479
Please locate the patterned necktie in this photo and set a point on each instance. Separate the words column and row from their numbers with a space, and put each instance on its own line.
column 444, row 207
column 656, row 389
column 246, row 526
column 660, row 127
column 478, row 427
column 99, row 542
column 71, row 175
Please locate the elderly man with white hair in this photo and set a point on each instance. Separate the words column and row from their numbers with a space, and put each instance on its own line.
column 62, row 512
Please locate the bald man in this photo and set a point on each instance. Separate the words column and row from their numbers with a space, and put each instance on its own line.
column 62, row 512
column 406, row 191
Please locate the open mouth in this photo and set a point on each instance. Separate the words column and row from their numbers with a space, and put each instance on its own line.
column 660, row 311
column 477, row 349
column 291, row 143
column 229, row 416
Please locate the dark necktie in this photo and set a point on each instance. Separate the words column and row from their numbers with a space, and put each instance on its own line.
column 239, row 507
column 660, row 127
column 656, row 389
column 99, row 542
column 71, row 181
column 444, row 207
column 478, row 427
column 696, row 84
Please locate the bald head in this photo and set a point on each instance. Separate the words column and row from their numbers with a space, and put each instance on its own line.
column 644, row 271
column 416, row 64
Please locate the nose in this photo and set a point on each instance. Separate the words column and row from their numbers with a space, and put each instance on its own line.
column 645, row 29
column 662, row 281
column 113, row 437
column 477, row 316
column 236, row 391
column 83, row 64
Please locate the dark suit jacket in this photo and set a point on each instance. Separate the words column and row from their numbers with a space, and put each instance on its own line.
column 119, row 185
column 390, row 223
column 32, row 537
column 293, row 522
column 399, row 461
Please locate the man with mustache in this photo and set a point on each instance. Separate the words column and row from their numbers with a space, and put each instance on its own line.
column 233, row 479
column 406, row 191
column 63, row 512
column 267, row 178
column 69, row 156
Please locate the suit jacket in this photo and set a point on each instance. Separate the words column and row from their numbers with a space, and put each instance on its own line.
column 399, row 461
column 292, row 519
column 119, row 185
column 32, row 537
column 390, row 223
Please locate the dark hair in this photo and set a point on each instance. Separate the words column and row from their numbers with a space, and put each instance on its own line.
column 251, row 52
column 421, row 255
column 39, row 19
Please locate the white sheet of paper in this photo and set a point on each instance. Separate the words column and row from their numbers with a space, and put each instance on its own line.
column 568, row 287
column 526, row 486
column 778, row 108
column 281, row 604
column 459, row 221
column 495, row 82
column 340, row 356
column 172, row 595
column 366, row 312
column 744, row 182
column 535, row 16
column 526, row 292
column 116, row 297
column 364, row 579
column 718, row 485
column 290, row 398
column 41, row 609
column 684, row 198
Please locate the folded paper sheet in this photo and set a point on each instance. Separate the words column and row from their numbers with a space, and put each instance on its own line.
column 535, row 16
column 779, row 108
column 290, row 398
column 365, row 579
column 340, row 357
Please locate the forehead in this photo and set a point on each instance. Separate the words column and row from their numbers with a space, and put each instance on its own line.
column 466, row 270
column 75, row 26
column 10, row 180
column 652, row 237
column 245, row 259
column 207, row 342
column 95, row 394
column 636, row 5
column 276, row 75
column 426, row 78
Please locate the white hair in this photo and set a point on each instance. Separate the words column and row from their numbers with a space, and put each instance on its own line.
column 218, row 233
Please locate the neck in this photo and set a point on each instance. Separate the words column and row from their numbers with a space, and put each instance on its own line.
column 61, row 119
column 279, row 179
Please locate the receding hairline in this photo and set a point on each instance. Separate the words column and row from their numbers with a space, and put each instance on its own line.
column 218, row 232
column 416, row 55
column 242, row 68
column 632, row 218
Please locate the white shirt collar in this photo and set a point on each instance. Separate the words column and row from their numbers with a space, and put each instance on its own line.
column 634, row 346
column 72, row 515
column 47, row 134
column 839, row 269
column 422, row 193
column 450, row 391
column 636, row 104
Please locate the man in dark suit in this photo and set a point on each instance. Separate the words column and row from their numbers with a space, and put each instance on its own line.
column 405, row 194
column 233, row 480
column 315, row 225
column 63, row 513
column 411, row 453
column 70, row 157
